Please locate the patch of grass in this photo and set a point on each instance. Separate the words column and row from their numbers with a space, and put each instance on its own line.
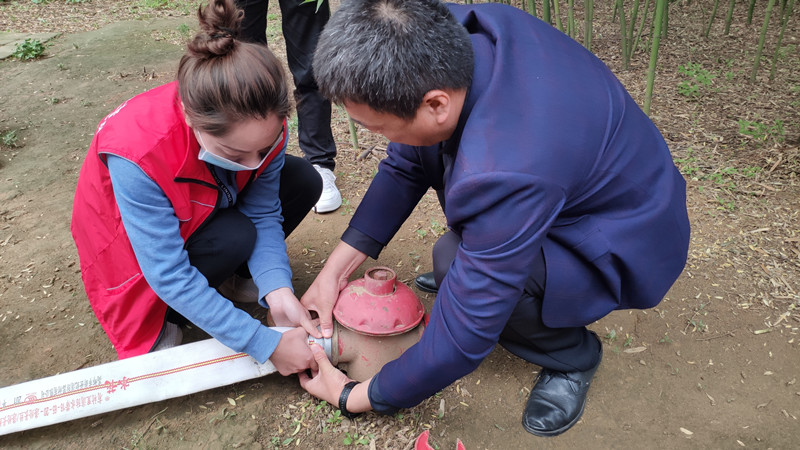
column 9, row 139
column 761, row 131
column 727, row 205
column 29, row 49
column 697, row 80
column 185, row 30
column 437, row 228
column 628, row 340
column 688, row 166
column 184, row 6
column 356, row 439
column 274, row 29
column 696, row 321
column 346, row 208
column 335, row 419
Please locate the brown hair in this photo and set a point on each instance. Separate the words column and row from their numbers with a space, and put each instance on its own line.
column 222, row 80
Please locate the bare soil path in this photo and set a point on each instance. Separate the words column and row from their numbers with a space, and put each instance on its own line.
column 715, row 365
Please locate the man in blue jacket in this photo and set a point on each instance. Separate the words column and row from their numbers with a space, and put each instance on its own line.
column 561, row 197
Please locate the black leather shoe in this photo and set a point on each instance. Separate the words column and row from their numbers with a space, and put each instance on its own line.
column 557, row 400
column 426, row 283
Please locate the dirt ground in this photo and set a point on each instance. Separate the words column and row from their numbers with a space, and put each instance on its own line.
column 715, row 365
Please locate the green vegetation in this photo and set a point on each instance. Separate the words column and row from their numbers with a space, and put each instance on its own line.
column 29, row 49
column 762, row 132
column 9, row 138
column 356, row 439
column 697, row 79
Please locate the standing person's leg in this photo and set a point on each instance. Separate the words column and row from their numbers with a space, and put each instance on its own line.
column 302, row 25
column 568, row 357
column 254, row 24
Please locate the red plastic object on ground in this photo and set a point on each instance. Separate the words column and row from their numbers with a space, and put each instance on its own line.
column 422, row 442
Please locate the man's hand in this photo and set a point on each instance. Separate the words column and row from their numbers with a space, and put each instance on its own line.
column 293, row 354
column 321, row 296
column 327, row 382
column 324, row 291
column 286, row 311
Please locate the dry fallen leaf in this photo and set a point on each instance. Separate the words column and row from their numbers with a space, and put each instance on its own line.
column 635, row 350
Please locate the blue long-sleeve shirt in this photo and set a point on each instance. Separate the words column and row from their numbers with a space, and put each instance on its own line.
column 153, row 231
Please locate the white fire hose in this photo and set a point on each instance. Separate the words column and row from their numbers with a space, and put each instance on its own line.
column 148, row 378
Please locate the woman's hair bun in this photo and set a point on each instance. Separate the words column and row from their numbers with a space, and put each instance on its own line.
column 219, row 28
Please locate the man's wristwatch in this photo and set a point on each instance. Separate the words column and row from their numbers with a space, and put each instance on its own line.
column 343, row 400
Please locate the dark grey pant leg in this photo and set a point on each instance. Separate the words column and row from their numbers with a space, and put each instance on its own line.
column 301, row 25
column 525, row 334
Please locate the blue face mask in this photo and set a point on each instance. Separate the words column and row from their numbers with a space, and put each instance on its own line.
column 223, row 163
column 227, row 164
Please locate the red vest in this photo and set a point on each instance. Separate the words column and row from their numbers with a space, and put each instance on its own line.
column 150, row 131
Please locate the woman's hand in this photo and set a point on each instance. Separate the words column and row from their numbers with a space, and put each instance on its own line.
column 286, row 311
column 293, row 354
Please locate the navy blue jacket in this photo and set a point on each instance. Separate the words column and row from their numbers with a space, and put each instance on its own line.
column 550, row 153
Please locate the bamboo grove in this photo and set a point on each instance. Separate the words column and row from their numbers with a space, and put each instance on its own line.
column 643, row 23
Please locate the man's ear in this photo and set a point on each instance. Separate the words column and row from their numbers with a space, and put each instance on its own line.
column 438, row 104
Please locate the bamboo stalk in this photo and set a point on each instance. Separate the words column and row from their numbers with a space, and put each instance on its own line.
column 750, row 11
column 787, row 12
column 532, row 8
column 353, row 133
column 623, row 28
column 571, row 18
column 729, row 18
column 713, row 15
column 557, row 13
column 658, row 20
column 761, row 40
column 546, row 12
column 588, row 19
column 634, row 15
column 641, row 25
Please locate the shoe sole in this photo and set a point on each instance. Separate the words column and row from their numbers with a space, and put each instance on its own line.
column 325, row 211
column 544, row 433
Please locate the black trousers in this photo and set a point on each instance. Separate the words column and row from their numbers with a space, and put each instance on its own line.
column 222, row 246
column 525, row 334
column 301, row 25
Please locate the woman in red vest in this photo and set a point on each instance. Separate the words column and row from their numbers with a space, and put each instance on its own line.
column 186, row 191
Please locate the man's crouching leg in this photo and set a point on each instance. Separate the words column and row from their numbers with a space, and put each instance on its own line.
column 569, row 357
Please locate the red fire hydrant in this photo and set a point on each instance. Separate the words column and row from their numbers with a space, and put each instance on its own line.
column 377, row 319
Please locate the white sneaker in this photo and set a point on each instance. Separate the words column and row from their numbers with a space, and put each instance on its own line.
column 331, row 199
column 239, row 289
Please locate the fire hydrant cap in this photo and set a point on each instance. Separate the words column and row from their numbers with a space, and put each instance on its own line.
column 377, row 305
